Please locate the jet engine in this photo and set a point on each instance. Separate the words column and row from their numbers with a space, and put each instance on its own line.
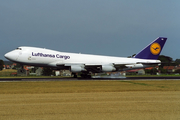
column 76, row 68
column 108, row 68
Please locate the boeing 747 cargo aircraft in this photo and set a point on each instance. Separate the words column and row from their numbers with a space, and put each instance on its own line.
column 85, row 63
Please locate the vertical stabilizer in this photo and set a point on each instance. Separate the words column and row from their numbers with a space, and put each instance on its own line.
column 153, row 50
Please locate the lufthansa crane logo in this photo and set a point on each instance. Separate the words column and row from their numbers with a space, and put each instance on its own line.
column 155, row 48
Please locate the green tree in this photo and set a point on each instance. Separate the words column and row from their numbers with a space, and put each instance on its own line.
column 1, row 64
column 166, row 61
column 177, row 71
column 177, row 61
column 163, row 71
column 47, row 71
column 152, row 71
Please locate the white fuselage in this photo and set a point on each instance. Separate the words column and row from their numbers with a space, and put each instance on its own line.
column 50, row 58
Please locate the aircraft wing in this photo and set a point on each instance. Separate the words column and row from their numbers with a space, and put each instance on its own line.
column 121, row 66
column 95, row 64
column 149, row 63
column 95, row 67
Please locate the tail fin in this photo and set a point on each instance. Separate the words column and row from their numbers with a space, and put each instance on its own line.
column 153, row 50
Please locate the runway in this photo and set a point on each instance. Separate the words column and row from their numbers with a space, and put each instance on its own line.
column 89, row 79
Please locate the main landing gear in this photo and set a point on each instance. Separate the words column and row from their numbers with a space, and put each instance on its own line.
column 74, row 75
column 83, row 75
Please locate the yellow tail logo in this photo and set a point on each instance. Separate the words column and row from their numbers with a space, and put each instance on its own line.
column 155, row 48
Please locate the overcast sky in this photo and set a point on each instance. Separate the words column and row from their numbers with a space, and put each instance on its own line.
column 103, row 27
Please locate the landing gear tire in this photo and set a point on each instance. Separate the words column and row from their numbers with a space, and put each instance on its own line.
column 85, row 76
column 74, row 75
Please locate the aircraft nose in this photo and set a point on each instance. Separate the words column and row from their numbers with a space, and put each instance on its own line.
column 7, row 55
column 11, row 56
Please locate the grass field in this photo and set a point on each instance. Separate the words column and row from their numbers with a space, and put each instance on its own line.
column 7, row 72
column 100, row 100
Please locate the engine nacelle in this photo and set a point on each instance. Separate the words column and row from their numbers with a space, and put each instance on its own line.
column 108, row 68
column 76, row 68
column 135, row 66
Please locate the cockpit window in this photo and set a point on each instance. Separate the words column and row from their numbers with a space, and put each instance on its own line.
column 18, row 48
